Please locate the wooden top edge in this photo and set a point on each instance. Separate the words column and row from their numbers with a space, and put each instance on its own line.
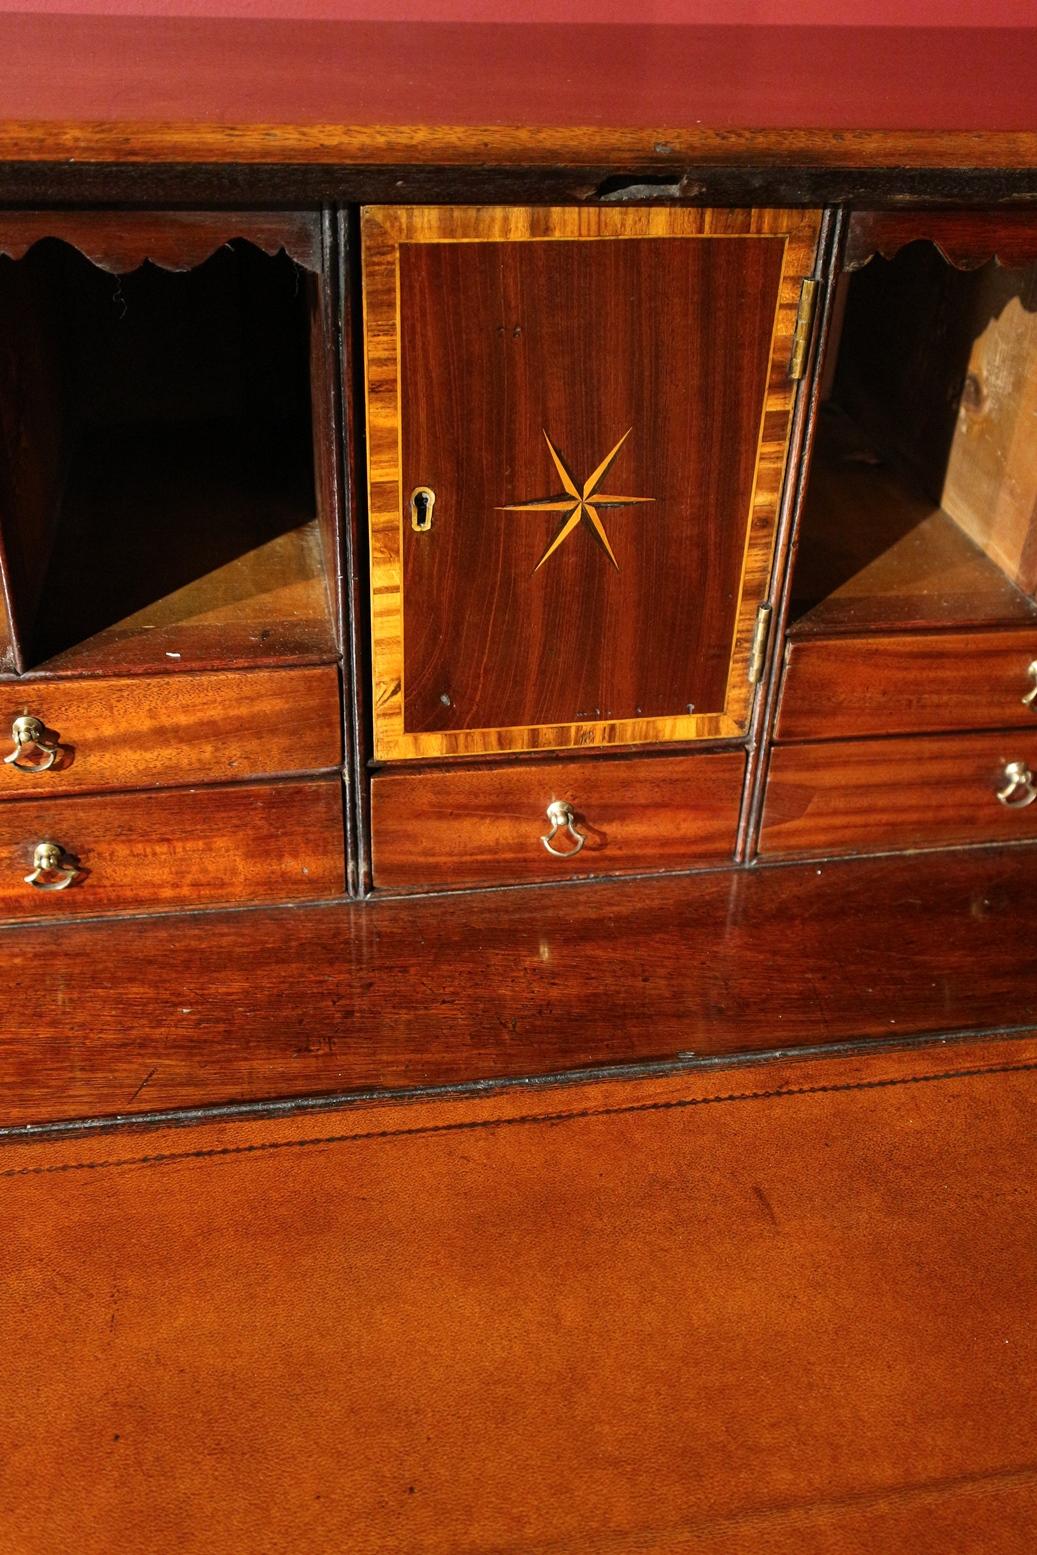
column 185, row 142
column 198, row 89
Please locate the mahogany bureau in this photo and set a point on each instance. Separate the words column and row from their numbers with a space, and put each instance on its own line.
column 421, row 478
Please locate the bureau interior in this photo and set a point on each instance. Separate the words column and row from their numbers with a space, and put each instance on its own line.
column 159, row 505
column 921, row 508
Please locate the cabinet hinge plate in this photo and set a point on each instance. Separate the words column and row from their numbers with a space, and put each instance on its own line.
column 758, row 652
column 804, row 324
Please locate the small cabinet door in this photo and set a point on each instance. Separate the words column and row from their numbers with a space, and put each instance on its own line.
column 577, row 427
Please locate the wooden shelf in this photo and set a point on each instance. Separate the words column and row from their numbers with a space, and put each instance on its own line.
column 184, row 548
column 875, row 552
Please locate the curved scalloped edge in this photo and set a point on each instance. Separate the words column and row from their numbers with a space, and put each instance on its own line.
column 1008, row 238
column 103, row 239
column 959, row 261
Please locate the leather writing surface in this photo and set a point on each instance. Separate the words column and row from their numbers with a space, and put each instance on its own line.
column 773, row 1308
column 233, row 71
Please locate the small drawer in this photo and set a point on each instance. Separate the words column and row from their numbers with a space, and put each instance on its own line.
column 156, row 731
column 187, row 848
column 488, row 827
column 911, row 683
column 865, row 796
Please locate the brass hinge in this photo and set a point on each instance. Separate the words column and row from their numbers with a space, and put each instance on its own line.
column 758, row 652
column 804, row 324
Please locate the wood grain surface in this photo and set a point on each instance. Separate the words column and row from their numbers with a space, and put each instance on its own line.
column 237, row 1007
column 523, row 324
column 967, row 239
column 990, row 486
column 176, row 849
column 864, row 795
column 907, row 683
column 525, row 1322
column 175, row 240
column 152, row 731
column 7, row 654
column 877, row 553
column 485, row 827
column 145, row 89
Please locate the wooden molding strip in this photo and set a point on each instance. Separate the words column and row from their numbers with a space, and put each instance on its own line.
column 508, row 145
column 173, row 240
column 965, row 241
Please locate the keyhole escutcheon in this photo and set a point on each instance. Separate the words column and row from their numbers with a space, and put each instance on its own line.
column 422, row 501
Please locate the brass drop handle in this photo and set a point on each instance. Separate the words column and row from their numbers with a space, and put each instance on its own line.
column 51, row 870
column 1019, row 789
column 561, row 817
column 30, row 733
column 1030, row 699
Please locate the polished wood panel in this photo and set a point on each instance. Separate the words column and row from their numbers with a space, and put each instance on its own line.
column 990, row 485
column 867, row 795
column 118, row 241
column 8, row 657
column 512, row 618
column 7, row 661
column 175, row 849
column 460, row 613
column 907, row 683
column 533, row 981
column 875, row 552
column 263, row 91
column 801, row 446
column 152, row 731
column 533, row 1317
column 485, row 827
column 938, row 367
column 966, row 240
column 226, row 572
column 326, row 327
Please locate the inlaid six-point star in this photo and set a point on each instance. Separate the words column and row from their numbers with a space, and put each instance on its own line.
column 580, row 505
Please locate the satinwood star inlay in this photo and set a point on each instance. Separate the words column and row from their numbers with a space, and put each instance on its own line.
column 580, row 505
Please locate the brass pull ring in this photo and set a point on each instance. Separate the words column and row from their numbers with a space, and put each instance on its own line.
column 560, row 815
column 1030, row 699
column 27, row 733
column 50, row 872
column 1019, row 789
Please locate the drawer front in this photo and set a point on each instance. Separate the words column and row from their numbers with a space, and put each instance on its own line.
column 197, row 847
column 156, row 731
column 909, row 684
column 486, row 827
column 865, row 796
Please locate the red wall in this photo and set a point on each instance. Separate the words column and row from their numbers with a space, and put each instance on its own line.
column 888, row 13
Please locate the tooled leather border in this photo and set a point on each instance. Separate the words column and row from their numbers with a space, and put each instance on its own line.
column 468, row 1125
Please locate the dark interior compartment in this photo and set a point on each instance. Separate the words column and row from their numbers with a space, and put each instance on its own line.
column 159, row 507
column 921, row 508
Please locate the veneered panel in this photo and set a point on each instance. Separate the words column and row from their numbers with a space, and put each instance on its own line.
column 599, row 400
column 665, row 343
